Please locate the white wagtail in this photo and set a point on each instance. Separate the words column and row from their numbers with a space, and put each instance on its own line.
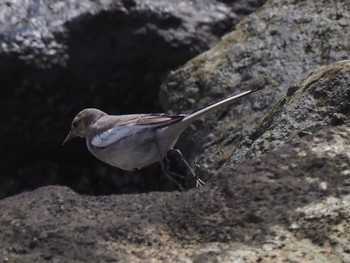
column 134, row 141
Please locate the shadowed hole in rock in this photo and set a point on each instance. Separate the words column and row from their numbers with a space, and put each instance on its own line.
column 122, row 77
column 114, row 60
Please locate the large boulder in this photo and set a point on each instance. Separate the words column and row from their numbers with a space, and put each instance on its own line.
column 283, row 193
column 289, row 204
column 271, row 49
column 322, row 99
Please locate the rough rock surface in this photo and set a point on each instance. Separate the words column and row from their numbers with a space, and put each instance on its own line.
column 58, row 57
column 284, row 194
column 272, row 49
column 291, row 205
column 321, row 99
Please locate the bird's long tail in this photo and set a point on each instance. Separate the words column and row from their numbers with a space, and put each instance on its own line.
column 172, row 132
column 205, row 110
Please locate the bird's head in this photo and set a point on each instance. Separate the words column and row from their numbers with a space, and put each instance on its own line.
column 82, row 122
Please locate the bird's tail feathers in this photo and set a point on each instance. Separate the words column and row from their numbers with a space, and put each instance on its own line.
column 205, row 110
column 174, row 130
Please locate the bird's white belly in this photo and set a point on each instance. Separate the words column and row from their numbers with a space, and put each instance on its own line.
column 129, row 153
column 130, row 158
column 137, row 150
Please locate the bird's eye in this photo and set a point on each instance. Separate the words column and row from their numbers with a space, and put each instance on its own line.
column 74, row 125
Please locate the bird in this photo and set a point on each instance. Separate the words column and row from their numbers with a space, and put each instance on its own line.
column 134, row 141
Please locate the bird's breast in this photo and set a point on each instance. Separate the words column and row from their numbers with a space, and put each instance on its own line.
column 130, row 153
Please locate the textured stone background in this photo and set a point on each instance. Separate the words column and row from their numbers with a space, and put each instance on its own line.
column 277, row 45
column 280, row 158
column 58, row 57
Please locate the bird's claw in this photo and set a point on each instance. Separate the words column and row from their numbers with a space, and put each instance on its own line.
column 199, row 182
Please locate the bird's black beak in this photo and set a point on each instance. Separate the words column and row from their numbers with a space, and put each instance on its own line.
column 69, row 137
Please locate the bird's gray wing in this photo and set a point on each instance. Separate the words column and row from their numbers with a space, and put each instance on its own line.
column 111, row 129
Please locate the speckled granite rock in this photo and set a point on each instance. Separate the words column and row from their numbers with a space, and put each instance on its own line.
column 290, row 205
column 272, row 49
column 321, row 99
column 287, row 201
column 58, row 57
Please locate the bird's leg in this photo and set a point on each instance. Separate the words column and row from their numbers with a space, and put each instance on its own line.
column 197, row 168
column 165, row 169
column 196, row 165
column 170, row 175
column 190, row 174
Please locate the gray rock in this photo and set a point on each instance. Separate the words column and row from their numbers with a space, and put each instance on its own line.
column 292, row 204
column 322, row 99
column 271, row 49
column 57, row 57
column 287, row 199
column 288, row 204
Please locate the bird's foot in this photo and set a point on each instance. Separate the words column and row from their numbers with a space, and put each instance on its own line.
column 191, row 178
column 199, row 182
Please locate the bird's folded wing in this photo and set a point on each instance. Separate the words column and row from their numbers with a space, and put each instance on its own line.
column 157, row 119
column 115, row 128
column 113, row 135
